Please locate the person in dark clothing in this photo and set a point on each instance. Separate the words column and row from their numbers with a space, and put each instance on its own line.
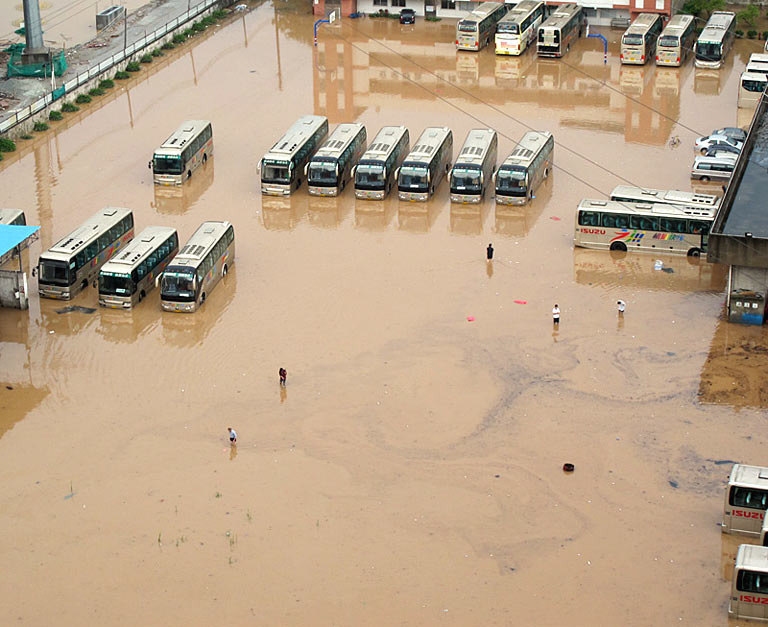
column 489, row 252
column 283, row 375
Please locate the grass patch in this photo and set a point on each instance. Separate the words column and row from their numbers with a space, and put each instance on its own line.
column 168, row 46
column 219, row 15
column 179, row 38
column 96, row 91
column 107, row 83
column 26, row 136
column 157, row 53
column 83, row 99
column 122, row 75
column 147, row 58
column 133, row 66
column 39, row 127
column 7, row 145
column 55, row 116
column 69, row 107
column 198, row 27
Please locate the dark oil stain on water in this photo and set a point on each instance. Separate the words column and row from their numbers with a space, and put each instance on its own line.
column 365, row 492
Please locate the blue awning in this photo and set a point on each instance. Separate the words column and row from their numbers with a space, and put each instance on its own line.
column 11, row 236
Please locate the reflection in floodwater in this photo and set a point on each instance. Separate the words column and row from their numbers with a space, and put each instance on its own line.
column 637, row 270
column 729, row 546
column 734, row 372
column 125, row 326
column 328, row 212
column 517, row 220
column 468, row 219
column 374, row 215
column 283, row 214
column 177, row 199
column 417, row 217
column 709, row 82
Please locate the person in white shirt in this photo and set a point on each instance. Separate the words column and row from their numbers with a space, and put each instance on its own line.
column 232, row 435
column 556, row 314
column 621, row 306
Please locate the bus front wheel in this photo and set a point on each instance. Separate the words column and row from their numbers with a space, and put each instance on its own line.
column 202, row 298
column 189, row 174
column 694, row 252
column 84, row 284
column 224, row 270
column 705, row 179
column 621, row 246
column 205, row 158
column 142, row 295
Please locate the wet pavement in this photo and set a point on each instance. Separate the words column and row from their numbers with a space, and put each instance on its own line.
column 411, row 470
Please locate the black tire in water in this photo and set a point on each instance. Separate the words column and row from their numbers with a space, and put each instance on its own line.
column 619, row 246
column 224, row 270
column 205, row 158
column 694, row 252
column 705, row 178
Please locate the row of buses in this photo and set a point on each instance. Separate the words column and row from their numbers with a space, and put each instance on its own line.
column 104, row 251
column 753, row 81
column 329, row 164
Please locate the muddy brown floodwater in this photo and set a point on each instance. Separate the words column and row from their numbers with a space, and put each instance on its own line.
column 411, row 471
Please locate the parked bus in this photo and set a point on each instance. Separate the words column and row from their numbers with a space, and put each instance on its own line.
column 282, row 167
column 73, row 262
column 625, row 193
column 474, row 166
column 525, row 168
column 197, row 268
column 676, row 41
column 639, row 41
column 716, row 39
column 477, row 29
column 375, row 173
column 126, row 279
column 425, row 166
column 606, row 224
column 751, row 88
column 13, row 217
column 329, row 170
column 517, row 30
column 746, row 499
column 190, row 145
column 562, row 27
column 749, row 588
column 758, row 60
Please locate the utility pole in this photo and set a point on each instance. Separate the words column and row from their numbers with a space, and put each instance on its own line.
column 35, row 51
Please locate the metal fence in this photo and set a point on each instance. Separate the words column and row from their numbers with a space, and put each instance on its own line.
column 20, row 115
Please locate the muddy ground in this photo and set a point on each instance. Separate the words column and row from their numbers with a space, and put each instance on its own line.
column 410, row 473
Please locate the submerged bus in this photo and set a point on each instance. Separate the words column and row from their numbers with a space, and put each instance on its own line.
column 73, row 262
column 13, row 217
column 746, row 499
column 126, row 279
column 329, row 170
column 676, row 41
column 425, row 166
column 282, row 167
column 189, row 146
column 375, row 172
column 562, row 27
column 477, row 29
column 610, row 225
column 751, row 88
column 639, row 41
column 517, row 30
column 474, row 166
column 196, row 270
column 525, row 168
column 749, row 589
column 626, row 193
column 716, row 39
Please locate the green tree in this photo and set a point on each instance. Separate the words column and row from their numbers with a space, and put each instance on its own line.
column 703, row 8
column 749, row 15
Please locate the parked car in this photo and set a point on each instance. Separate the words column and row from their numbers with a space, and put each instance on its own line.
column 712, row 168
column 704, row 143
column 722, row 148
column 407, row 16
column 739, row 134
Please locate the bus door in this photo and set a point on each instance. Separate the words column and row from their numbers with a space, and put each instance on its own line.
column 749, row 590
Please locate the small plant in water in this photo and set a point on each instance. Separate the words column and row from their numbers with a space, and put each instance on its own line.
column 133, row 66
column 39, row 127
column 96, row 91
column 83, row 99
column 7, row 145
column 55, row 116
column 26, row 136
column 107, row 83
column 168, row 45
column 218, row 495
column 158, row 53
column 69, row 107
column 122, row 75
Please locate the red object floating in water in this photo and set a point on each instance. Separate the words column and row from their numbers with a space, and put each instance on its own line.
column 554, row 218
column 521, row 302
column 470, row 318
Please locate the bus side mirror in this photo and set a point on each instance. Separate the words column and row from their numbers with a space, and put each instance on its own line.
column 157, row 280
column 354, row 171
column 397, row 173
column 482, row 178
column 306, row 169
column 493, row 178
column 258, row 168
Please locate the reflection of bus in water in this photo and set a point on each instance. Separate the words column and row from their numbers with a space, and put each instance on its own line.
column 509, row 68
column 468, row 67
column 610, row 225
column 518, row 220
column 477, row 29
column 632, row 79
column 517, row 30
column 279, row 213
column 746, row 499
column 638, row 44
column 677, row 41
column 749, row 588
column 177, row 200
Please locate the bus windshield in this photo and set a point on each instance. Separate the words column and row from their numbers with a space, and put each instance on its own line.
column 166, row 164
column 275, row 171
column 633, row 40
column 755, row 86
column 178, row 284
column 466, row 179
column 413, row 178
column 369, row 176
column 322, row 172
column 56, row 272
column 507, row 27
column 668, row 41
column 707, row 51
column 114, row 283
column 512, row 181
column 467, row 27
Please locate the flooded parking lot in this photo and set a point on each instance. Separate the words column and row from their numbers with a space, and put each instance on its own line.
column 411, row 470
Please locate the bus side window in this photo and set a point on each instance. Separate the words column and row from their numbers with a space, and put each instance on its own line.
column 697, row 228
column 80, row 260
column 644, row 223
column 609, row 220
column 746, row 497
column 141, row 271
column 230, row 235
column 91, row 251
column 750, row 581
column 589, row 218
column 103, row 242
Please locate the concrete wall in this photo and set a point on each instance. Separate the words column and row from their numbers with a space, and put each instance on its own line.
column 367, row 7
column 13, row 289
column 746, row 294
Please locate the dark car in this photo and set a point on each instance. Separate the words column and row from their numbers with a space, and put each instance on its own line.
column 739, row 134
column 721, row 147
column 407, row 16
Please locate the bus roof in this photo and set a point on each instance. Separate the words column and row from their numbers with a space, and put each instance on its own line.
column 752, row 557
column 182, row 136
column 295, row 137
column 527, row 148
column 483, row 11
column 386, row 139
column 138, row 249
column 9, row 215
column 642, row 23
column 520, row 11
column 650, row 209
column 756, row 69
column 83, row 235
column 475, row 147
column 717, row 26
column 759, row 75
column 427, row 144
column 337, row 142
column 197, row 246
column 561, row 16
column 670, row 196
column 677, row 25
column 757, row 57
column 749, row 476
